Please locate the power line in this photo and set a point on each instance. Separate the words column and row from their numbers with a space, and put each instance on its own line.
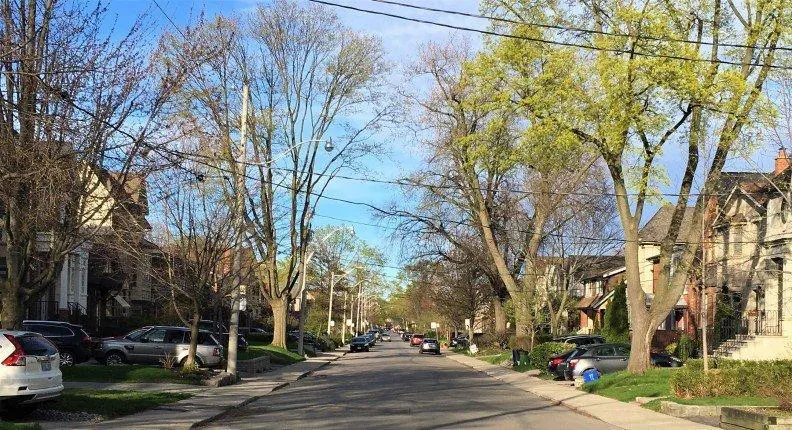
column 169, row 19
column 573, row 29
column 546, row 41
column 377, row 209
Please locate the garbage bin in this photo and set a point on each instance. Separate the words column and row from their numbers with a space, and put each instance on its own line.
column 590, row 375
column 519, row 357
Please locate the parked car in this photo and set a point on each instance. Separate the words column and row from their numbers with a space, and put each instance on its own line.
column 429, row 345
column 371, row 339
column 406, row 336
column 308, row 339
column 460, row 341
column 29, row 371
column 608, row 358
column 662, row 359
column 74, row 344
column 416, row 339
column 359, row 343
column 386, row 337
column 580, row 339
column 132, row 335
column 558, row 364
column 221, row 333
column 159, row 342
column 377, row 335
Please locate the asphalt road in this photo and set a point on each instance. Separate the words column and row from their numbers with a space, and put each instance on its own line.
column 394, row 387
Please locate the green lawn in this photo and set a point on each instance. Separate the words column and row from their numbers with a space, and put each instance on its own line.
column 126, row 373
column 625, row 386
column 112, row 404
column 277, row 355
column 19, row 426
column 496, row 358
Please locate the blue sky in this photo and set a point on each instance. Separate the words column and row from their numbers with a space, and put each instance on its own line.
column 401, row 41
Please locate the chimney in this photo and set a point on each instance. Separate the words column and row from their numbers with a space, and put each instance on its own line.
column 781, row 162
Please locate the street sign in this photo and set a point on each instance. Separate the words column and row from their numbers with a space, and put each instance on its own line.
column 349, row 322
column 243, row 304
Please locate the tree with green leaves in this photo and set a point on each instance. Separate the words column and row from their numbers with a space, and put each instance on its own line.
column 653, row 73
column 616, row 327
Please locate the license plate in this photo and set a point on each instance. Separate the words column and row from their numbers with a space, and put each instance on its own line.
column 46, row 366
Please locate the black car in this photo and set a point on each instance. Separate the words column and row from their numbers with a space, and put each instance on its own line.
column 360, row 343
column 406, row 336
column 661, row 359
column 460, row 341
column 429, row 345
column 74, row 344
column 221, row 333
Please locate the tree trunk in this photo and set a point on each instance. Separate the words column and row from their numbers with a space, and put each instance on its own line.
column 11, row 314
column 193, row 340
column 523, row 321
column 278, row 306
column 500, row 315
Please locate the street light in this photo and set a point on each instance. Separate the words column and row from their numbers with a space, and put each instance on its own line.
column 234, row 320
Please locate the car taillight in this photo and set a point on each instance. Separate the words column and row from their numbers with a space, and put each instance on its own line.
column 17, row 358
column 572, row 363
column 556, row 361
column 216, row 352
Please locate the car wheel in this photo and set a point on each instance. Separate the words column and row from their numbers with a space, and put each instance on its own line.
column 67, row 358
column 114, row 358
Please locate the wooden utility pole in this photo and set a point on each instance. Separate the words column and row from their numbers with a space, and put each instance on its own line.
column 239, row 206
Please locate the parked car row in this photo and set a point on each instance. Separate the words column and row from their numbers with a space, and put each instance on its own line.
column 593, row 354
column 147, row 344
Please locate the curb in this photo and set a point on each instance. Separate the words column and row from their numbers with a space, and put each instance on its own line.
column 252, row 399
column 566, row 402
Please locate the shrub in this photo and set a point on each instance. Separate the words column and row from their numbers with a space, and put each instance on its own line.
column 734, row 378
column 616, row 327
column 541, row 354
column 685, row 348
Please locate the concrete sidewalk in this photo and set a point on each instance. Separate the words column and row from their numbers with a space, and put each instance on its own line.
column 620, row 414
column 210, row 404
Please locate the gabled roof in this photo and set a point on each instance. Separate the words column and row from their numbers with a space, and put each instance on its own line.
column 601, row 265
column 657, row 227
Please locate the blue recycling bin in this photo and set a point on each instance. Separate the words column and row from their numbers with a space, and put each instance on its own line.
column 591, row 375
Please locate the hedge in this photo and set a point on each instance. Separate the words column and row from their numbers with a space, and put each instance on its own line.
column 541, row 354
column 733, row 378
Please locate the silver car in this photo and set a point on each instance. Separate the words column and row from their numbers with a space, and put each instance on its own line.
column 157, row 343
column 605, row 358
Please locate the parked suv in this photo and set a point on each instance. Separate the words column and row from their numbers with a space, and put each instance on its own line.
column 29, row 372
column 608, row 358
column 158, row 342
column 220, row 332
column 73, row 343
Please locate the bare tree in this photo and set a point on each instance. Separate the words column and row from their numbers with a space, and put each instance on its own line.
column 309, row 77
column 77, row 105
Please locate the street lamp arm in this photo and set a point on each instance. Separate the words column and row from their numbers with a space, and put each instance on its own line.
column 328, row 147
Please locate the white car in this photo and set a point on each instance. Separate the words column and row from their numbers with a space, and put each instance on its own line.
column 29, row 371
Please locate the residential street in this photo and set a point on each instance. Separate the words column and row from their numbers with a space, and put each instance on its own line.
column 394, row 387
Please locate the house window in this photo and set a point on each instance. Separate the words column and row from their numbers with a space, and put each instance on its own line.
column 737, row 240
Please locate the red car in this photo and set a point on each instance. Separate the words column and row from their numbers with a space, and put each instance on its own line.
column 416, row 339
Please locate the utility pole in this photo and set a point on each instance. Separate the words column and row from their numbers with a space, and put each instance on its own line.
column 704, row 313
column 330, row 307
column 233, row 326
column 343, row 321
column 303, row 276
